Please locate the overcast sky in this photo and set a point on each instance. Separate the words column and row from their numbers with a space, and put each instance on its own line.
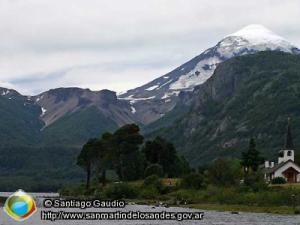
column 119, row 45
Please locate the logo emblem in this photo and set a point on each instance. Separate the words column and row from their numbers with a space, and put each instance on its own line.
column 20, row 206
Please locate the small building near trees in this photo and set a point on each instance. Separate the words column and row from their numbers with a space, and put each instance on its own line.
column 286, row 166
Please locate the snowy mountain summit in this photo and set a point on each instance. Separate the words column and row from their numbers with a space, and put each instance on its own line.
column 152, row 100
column 257, row 33
column 250, row 39
column 260, row 38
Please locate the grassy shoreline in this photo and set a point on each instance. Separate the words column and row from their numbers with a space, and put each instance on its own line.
column 274, row 199
column 281, row 210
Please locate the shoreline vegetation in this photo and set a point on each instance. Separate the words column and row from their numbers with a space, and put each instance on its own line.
column 121, row 165
column 277, row 199
column 282, row 210
column 230, row 208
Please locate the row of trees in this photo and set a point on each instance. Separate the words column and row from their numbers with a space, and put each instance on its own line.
column 125, row 152
column 230, row 171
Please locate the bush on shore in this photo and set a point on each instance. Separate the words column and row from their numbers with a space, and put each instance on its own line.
column 278, row 180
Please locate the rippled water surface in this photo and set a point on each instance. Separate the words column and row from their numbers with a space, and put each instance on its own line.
column 210, row 217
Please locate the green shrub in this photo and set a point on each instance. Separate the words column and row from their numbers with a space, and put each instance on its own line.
column 149, row 192
column 225, row 172
column 152, row 180
column 278, row 180
column 255, row 181
column 154, row 169
column 121, row 191
column 155, row 182
column 188, row 196
column 192, row 181
column 73, row 190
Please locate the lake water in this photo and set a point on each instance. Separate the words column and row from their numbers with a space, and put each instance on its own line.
column 210, row 217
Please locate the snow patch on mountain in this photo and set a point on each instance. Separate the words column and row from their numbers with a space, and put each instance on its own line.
column 43, row 111
column 152, row 87
column 168, row 82
column 39, row 98
column 170, row 93
column 132, row 100
column 5, row 92
column 133, row 110
column 198, row 75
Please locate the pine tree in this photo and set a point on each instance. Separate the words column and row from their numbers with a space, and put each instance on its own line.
column 85, row 159
column 251, row 159
column 127, row 158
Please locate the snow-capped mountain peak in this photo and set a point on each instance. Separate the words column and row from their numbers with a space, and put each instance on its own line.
column 161, row 94
column 257, row 33
column 251, row 39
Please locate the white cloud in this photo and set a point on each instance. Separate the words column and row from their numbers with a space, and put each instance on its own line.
column 120, row 44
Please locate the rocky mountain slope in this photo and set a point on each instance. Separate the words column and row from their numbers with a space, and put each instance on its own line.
column 62, row 116
column 154, row 99
column 247, row 96
column 57, row 103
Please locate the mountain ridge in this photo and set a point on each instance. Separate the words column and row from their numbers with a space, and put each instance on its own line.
column 61, row 101
column 150, row 102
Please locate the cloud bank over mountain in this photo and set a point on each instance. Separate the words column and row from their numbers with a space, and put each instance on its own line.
column 120, row 45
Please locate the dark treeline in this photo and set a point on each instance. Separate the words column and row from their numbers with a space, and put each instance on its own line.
column 38, row 169
column 125, row 152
